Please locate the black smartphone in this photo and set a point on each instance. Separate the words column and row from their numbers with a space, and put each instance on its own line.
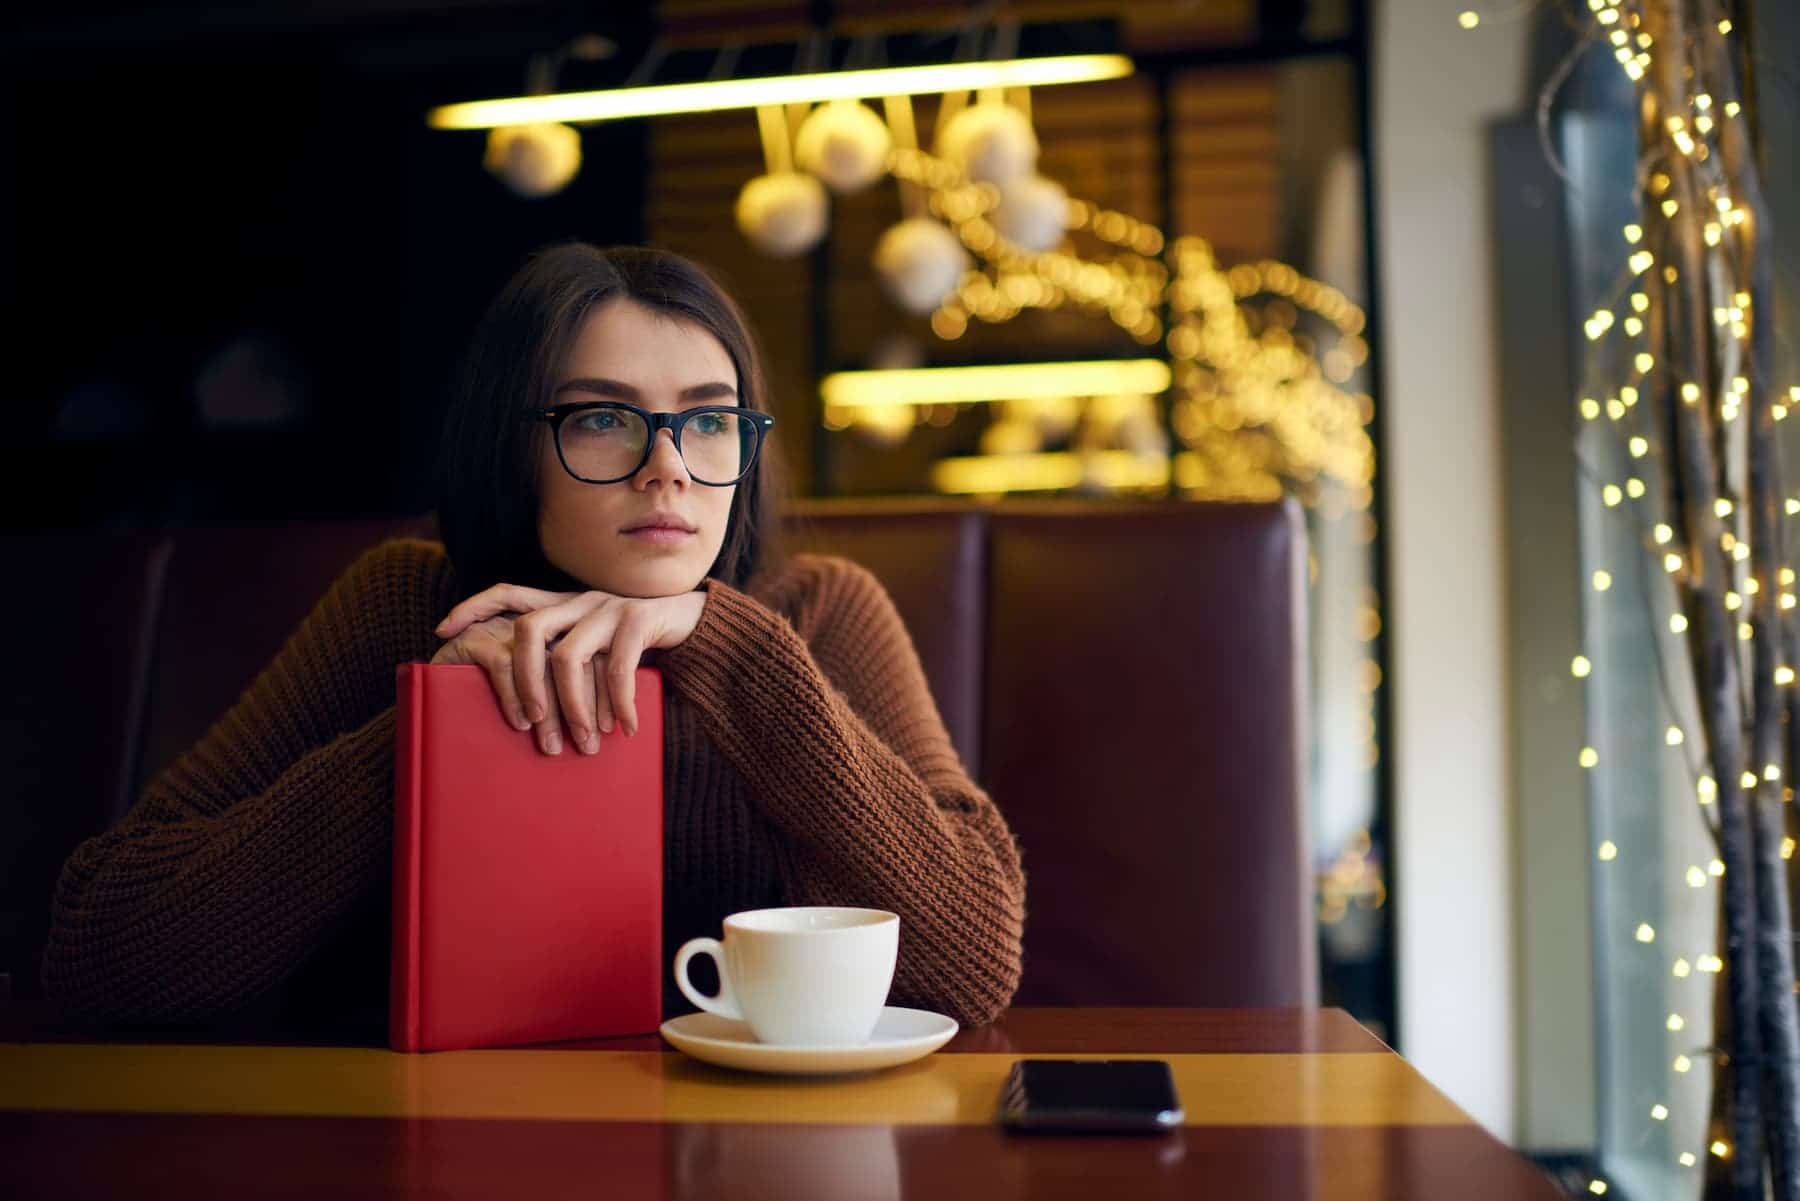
column 1110, row 1095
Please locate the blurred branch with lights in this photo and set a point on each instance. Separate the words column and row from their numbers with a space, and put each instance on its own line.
column 1685, row 360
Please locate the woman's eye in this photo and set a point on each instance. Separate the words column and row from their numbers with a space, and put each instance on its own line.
column 597, row 422
column 710, row 424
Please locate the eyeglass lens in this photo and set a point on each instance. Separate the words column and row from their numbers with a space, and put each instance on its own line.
column 608, row 444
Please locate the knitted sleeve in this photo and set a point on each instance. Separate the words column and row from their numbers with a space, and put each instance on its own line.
column 816, row 695
column 239, row 859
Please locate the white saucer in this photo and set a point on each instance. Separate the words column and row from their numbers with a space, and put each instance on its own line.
column 901, row 1036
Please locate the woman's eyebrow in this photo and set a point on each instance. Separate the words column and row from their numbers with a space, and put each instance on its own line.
column 624, row 391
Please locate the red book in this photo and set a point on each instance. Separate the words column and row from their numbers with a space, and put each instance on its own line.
column 527, row 887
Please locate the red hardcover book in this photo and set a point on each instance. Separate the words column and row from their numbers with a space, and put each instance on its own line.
column 527, row 887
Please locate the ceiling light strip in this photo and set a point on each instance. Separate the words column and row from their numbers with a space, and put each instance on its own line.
column 615, row 104
column 1005, row 381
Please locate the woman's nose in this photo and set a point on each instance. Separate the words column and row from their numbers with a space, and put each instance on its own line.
column 665, row 465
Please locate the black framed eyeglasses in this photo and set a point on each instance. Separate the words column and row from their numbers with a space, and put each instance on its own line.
column 606, row 442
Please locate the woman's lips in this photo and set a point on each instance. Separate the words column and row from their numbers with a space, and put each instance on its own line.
column 660, row 535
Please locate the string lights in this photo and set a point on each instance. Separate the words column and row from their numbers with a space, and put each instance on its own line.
column 1685, row 333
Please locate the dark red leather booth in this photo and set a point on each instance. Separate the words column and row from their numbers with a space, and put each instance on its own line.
column 1125, row 681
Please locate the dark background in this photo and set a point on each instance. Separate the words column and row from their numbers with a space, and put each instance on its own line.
column 248, row 204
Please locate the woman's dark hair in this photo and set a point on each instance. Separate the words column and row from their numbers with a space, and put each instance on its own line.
column 488, row 463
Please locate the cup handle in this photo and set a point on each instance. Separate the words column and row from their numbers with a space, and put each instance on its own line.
column 725, row 1004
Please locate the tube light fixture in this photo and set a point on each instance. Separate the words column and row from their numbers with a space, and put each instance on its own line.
column 613, row 104
column 1003, row 381
column 1056, row 471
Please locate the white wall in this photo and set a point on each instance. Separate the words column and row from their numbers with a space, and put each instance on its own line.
column 1436, row 88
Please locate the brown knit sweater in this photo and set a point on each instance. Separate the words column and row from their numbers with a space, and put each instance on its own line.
column 805, row 764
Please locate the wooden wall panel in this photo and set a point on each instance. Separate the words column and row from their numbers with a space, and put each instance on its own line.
column 1146, row 25
column 1099, row 141
column 1227, row 159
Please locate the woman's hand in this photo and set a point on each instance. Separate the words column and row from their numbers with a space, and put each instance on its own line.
column 567, row 657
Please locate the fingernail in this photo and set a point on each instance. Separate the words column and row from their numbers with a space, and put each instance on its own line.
column 606, row 725
column 590, row 744
column 552, row 743
column 536, row 713
column 519, row 722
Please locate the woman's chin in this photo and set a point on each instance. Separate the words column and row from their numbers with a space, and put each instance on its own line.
column 648, row 580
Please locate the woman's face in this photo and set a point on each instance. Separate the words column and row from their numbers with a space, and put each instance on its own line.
column 657, row 533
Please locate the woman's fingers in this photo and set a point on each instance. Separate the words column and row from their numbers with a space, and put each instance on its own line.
column 569, row 658
column 532, row 635
column 549, row 730
column 491, row 602
column 489, row 650
column 603, row 706
column 634, row 634
column 585, row 707
column 573, row 674
column 500, row 675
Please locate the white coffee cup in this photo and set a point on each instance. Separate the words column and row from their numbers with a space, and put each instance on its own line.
column 806, row 976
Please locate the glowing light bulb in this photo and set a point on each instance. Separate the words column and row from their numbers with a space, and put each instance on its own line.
column 1580, row 667
column 1608, row 852
column 1589, row 757
column 1645, row 932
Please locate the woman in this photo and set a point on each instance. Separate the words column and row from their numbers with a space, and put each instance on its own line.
column 602, row 497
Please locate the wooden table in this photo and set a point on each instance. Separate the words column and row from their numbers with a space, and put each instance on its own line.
column 1280, row 1104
